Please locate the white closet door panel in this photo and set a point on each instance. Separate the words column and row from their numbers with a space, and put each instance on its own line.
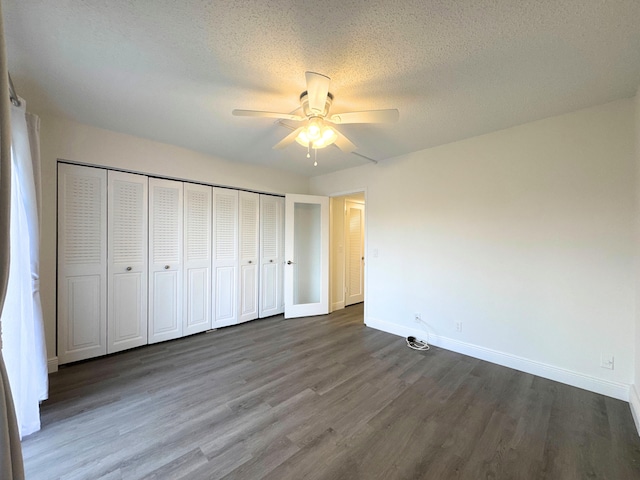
column 128, row 256
column 127, row 326
column 197, row 258
column 165, row 259
column 249, row 222
column 166, row 303
column 226, row 288
column 271, row 255
column 248, row 292
column 225, row 256
column 82, row 197
column 281, row 249
column 83, row 333
column 82, row 262
column 197, row 300
column 268, row 289
column 225, row 212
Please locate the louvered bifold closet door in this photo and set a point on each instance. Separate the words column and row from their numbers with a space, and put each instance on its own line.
column 197, row 258
column 127, row 265
column 165, row 259
column 271, row 255
column 82, row 262
column 225, row 257
column 249, row 223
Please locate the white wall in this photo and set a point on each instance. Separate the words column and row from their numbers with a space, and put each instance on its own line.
column 524, row 235
column 634, row 397
column 66, row 140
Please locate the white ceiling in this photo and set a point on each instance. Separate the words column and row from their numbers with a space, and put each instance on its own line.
column 173, row 70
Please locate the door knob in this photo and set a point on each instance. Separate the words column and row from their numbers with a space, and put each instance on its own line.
column 167, row 267
column 249, row 261
column 128, row 269
column 289, row 262
column 271, row 261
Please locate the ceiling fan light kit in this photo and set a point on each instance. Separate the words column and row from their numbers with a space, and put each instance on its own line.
column 316, row 132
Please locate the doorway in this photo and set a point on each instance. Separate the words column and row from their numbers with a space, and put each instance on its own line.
column 347, row 247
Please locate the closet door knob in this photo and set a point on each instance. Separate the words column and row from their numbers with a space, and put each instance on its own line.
column 167, row 267
column 271, row 261
column 128, row 269
column 249, row 261
column 289, row 262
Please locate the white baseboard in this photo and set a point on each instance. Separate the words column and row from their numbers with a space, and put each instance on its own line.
column 52, row 364
column 617, row 390
column 634, row 403
column 337, row 305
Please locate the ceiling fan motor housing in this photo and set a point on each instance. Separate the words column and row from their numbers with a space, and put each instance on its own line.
column 304, row 102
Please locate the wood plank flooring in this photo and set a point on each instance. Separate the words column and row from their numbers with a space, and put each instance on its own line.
column 320, row 398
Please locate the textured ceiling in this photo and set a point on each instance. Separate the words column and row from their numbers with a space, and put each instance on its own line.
column 173, row 70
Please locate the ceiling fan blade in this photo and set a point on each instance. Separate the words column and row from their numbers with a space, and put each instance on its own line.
column 343, row 143
column 369, row 116
column 288, row 140
column 317, row 91
column 256, row 113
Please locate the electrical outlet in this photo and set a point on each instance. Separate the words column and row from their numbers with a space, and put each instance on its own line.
column 458, row 326
column 417, row 317
column 607, row 361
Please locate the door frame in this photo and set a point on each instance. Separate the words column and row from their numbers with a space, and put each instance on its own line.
column 346, row 193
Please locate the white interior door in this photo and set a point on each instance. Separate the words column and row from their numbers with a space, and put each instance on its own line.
column 271, row 255
column 127, row 267
column 165, row 259
column 306, row 277
column 249, row 221
column 82, row 262
column 197, row 258
column 225, row 257
column 354, row 258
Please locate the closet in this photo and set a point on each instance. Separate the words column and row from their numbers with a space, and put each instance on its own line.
column 143, row 260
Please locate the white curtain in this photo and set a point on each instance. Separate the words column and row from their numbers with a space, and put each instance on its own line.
column 23, row 344
column 11, row 467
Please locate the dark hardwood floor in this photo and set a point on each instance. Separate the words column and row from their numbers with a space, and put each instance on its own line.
column 321, row 398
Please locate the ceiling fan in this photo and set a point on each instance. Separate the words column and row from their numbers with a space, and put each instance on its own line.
column 318, row 128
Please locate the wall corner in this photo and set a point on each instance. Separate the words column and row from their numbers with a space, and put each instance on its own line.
column 634, row 404
column 52, row 364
